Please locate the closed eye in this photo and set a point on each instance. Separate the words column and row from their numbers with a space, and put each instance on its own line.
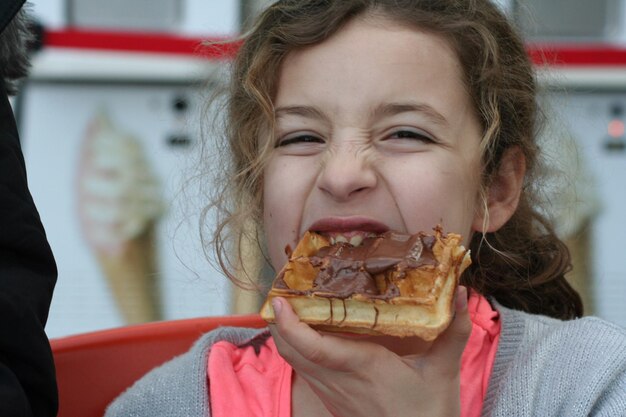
column 299, row 139
column 411, row 134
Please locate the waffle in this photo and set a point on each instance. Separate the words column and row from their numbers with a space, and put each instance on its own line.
column 392, row 284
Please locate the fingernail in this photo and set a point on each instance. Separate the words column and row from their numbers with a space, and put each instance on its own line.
column 277, row 306
column 461, row 298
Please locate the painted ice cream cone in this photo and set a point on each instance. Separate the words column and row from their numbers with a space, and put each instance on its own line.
column 119, row 204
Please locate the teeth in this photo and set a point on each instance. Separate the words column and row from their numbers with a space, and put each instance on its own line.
column 355, row 240
column 341, row 238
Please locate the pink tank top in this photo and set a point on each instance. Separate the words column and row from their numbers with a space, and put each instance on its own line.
column 253, row 380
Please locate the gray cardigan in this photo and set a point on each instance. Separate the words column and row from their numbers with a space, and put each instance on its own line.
column 544, row 367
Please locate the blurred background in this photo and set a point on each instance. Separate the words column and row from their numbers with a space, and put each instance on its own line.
column 111, row 119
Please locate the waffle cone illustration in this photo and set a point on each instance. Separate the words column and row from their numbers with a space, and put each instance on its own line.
column 119, row 206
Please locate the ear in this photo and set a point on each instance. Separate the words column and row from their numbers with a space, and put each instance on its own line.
column 503, row 194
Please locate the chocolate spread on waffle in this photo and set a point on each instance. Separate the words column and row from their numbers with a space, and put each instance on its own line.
column 346, row 270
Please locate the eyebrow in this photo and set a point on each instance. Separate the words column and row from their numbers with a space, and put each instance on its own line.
column 392, row 109
column 303, row 111
column 385, row 109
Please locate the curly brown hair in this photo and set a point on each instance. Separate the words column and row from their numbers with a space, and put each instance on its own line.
column 522, row 265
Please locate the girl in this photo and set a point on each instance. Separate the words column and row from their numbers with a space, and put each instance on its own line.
column 355, row 116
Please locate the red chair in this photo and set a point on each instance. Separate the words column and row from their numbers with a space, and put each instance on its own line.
column 94, row 368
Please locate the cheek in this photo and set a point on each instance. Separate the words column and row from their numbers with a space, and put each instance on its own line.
column 462, row 189
column 285, row 190
column 275, row 209
column 437, row 192
column 276, row 238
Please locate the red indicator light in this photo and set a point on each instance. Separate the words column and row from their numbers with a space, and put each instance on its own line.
column 616, row 128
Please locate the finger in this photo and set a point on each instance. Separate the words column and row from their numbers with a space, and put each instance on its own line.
column 448, row 348
column 304, row 347
column 295, row 340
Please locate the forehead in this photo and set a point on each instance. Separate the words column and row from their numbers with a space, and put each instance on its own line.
column 375, row 59
column 383, row 37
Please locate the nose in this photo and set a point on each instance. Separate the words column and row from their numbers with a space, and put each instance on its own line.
column 347, row 171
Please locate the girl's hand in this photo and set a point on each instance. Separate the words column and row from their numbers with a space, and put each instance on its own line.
column 353, row 377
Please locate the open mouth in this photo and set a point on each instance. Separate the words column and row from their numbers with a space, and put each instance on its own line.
column 355, row 238
column 352, row 230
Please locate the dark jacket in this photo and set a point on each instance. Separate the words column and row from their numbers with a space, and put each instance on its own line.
column 27, row 277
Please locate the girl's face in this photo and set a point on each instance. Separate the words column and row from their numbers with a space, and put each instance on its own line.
column 375, row 132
